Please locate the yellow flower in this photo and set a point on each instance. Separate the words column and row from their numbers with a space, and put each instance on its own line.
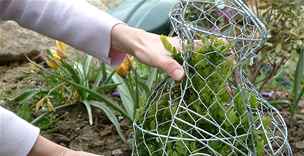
column 61, row 49
column 56, row 54
column 39, row 104
column 44, row 102
column 53, row 64
column 50, row 105
column 124, row 68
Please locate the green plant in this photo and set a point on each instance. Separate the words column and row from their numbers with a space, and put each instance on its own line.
column 75, row 82
column 25, row 112
column 212, row 105
column 295, row 92
column 135, row 88
column 284, row 21
column 298, row 88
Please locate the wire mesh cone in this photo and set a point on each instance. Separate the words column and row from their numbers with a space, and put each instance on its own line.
column 215, row 110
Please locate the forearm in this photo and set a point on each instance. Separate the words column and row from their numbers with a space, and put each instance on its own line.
column 45, row 147
column 74, row 22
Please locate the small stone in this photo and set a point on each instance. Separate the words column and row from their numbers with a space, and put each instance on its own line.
column 117, row 152
column 300, row 145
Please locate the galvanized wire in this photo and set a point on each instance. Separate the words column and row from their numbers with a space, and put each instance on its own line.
column 215, row 110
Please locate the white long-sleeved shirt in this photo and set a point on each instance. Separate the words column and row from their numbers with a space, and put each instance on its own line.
column 74, row 22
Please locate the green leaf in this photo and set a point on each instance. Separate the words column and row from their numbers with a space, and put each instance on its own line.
column 25, row 112
column 80, row 71
column 101, row 73
column 260, row 146
column 239, row 103
column 89, row 111
column 84, row 81
column 69, row 69
column 232, row 116
column 166, row 43
column 254, row 101
column 101, row 97
column 300, row 96
column 26, row 95
column 266, row 120
column 168, row 46
column 299, row 73
column 85, row 88
column 125, row 94
column 104, row 71
column 87, row 65
column 107, row 87
column 47, row 123
column 152, row 78
column 110, row 77
column 111, row 116
column 143, row 87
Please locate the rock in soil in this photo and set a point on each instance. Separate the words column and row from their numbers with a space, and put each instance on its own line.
column 17, row 41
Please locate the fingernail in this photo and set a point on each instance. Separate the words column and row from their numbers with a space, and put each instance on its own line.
column 178, row 74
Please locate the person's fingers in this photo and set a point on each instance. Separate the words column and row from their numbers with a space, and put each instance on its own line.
column 173, row 68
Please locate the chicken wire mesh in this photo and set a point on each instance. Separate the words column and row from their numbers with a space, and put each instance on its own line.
column 215, row 110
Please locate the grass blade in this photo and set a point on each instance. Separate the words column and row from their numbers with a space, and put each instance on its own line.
column 152, row 78
column 99, row 76
column 299, row 73
column 89, row 111
column 87, row 65
column 125, row 95
column 25, row 96
column 71, row 71
column 101, row 97
column 107, row 87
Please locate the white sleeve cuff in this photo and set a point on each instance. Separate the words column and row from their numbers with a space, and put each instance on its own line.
column 17, row 136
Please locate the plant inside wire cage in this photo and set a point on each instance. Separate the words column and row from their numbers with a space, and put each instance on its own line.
column 215, row 110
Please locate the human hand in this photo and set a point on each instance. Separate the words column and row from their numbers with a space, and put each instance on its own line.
column 147, row 48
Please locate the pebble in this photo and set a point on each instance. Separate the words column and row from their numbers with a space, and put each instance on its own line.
column 300, row 145
column 117, row 152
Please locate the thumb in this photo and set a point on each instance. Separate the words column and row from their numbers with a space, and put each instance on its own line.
column 172, row 67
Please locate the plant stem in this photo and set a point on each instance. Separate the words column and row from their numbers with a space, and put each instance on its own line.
column 297, row 83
